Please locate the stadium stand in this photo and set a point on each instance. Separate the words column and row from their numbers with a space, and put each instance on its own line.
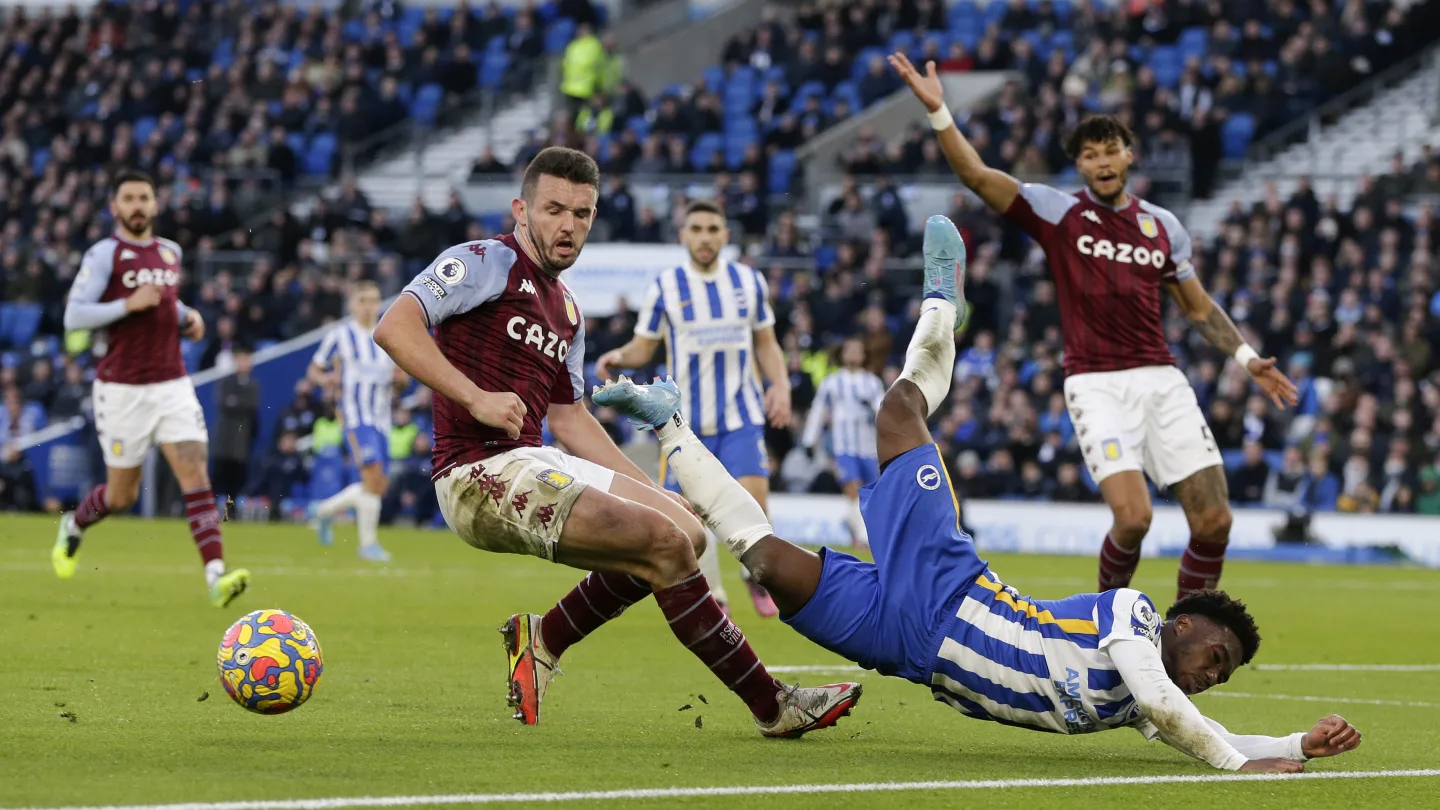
column 1343, row 290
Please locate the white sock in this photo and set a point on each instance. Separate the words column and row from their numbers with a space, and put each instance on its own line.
column 930, row 359
column 727, row 509
column 213, row 571
column 856, row 522
column 710, row 567
column 345, row 499
column 367, row 518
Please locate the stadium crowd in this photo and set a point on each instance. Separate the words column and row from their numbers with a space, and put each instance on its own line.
column 1347, row 299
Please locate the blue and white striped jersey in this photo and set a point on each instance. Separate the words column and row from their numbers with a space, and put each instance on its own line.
column 708, row 321
column 848, row 400
column 367, row 374
column 1041, row 664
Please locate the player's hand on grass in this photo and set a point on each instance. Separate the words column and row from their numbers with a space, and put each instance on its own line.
column 194, row 326
column 1277, row 386
column 608, row 359
column 146, row 297
column 777, row 405
column 1331, row 736
column 1272, row 765
column 502, row 410
column 926, row 86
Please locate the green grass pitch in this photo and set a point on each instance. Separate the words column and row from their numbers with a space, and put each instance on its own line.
column 101, row 679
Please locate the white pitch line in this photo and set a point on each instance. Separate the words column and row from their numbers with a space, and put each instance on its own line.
column 753, row 790
column 1350, row 667
column 1318, row 699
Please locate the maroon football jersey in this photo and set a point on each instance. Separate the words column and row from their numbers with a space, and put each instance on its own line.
column 1108, row 265
column 140, row 348
column 508, row 326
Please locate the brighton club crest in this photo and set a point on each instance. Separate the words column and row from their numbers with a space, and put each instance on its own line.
column 1148, row 226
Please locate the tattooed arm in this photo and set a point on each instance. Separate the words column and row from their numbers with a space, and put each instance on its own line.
column 1214, row 324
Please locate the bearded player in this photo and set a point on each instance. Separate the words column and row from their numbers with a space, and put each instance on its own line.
column 508, row 352
column 929, row 610
column 1134, row 411
column 127, row 290
column 718, row 329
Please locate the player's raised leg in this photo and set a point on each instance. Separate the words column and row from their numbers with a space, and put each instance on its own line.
column 189, row 461
column 1205, row 497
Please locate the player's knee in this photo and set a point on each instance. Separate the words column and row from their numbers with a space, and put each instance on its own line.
column 669, row 553
column 121, row 498
column 1212, row 524
column 1132, row 523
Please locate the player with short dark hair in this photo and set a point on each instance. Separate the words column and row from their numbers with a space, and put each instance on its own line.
column 508, row 352
column 1134, row 412
column 127, row 292
column 715, row 319
column 929, row 610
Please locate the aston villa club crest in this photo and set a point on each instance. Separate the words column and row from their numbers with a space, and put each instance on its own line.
column 167, row 255
column 1148, row 225
column 570, row 311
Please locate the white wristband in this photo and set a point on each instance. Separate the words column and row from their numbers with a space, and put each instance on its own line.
column 941, row 119
column 1245, row 354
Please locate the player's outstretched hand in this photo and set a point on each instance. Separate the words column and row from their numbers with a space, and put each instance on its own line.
column 1273, row 765
column 1331, row 736
column 777, row 405
column 146, row 297
column 608, row 359
column 926, row 86
column 1277, row 386
column 194, row 326
column 502, row 410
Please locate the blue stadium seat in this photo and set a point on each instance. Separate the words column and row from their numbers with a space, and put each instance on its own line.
column 1063, row 41
column 861, row 66
column 496, row 44
column 901, row 41
column 142, row 128
column 39, row 159
column 1168, row 64
column 963, row 12
column 492, row 223
column 492, row 75
column 994, row 13
column 1064, row 10
column 640, row 125
column 558, row 35
column 739, row 98
column 734, row 153
column 547, row 11
column 319, row 156
column 775, row 74
column 715, row 79
column 705, row 146
column 22, row 324
column 1194, row 41
column 940, row 39
column 426, row 104
column 782, row 171
column 1235, row 135
column 825, row 257
column 296, row 142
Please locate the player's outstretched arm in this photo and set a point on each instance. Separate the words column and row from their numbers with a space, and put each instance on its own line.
column 404, row 335
column 632, row 355
column 1331, row 736
column 995, row 187
column 1214, row 324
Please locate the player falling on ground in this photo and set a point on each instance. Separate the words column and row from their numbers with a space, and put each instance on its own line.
column 367, row 382
column 508, row 351
column 1111, row 253
column 848, row 400
column 931, row 611
column 718, row 326
column 128, row 291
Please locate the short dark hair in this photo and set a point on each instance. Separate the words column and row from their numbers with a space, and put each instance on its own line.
column 130, row 176
column 363, row 284
column 562, row 162
column 1219, row 607
column 1097, row 129
column 704, row 207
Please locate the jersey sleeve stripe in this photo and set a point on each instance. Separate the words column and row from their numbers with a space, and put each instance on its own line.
column 762, row 307
column 658, row 311
column 737, row 286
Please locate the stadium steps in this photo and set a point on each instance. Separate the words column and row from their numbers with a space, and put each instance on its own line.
column 445, row 163
column 1362, row 141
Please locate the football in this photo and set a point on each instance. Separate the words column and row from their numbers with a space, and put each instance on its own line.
column 269, row 662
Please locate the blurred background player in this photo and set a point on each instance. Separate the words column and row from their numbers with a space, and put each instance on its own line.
column 847, row 402
column 127, row 290
column 367, row 383
column 718, row 327
column 1110, row 253
column 508, row 353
